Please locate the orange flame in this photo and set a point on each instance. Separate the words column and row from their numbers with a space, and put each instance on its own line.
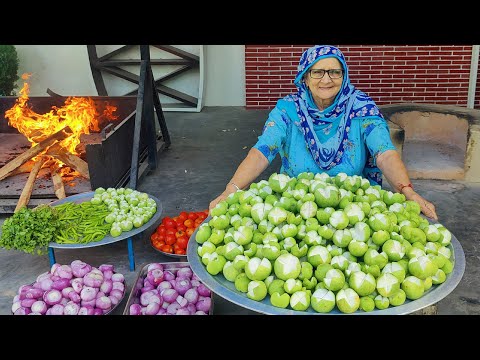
column 78, row 113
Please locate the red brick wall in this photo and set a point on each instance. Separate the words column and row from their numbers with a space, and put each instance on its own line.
column 388, row 73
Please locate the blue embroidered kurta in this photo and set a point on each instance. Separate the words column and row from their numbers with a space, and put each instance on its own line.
column 281, row 136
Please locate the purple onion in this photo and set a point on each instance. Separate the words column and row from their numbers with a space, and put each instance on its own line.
column 61, row 284
column 103, row 303
column 34, row 293
column 204, row 305
column 203, row 290
column 162, row 311
column 181, row 300
column 52, row 297
column 155, row 276
column 117, row 293
column 118, row 277
column 152, row 308
column 88, row 293
column 114, row 300
column 86, row 310
column 66, row 291
column 184, row 273
column 191, row 308
column 168, row 275
column 117, row 285
column 195, row 283
column 90, row 303
column 163, row 285
column 93, row 279
column 16, row 305
column 183, row 311
column 182, row 285
column 27, row 303
column 80, row 268
column 64, row 271
column 22, row 311
column 106, row 267
column 54, row 268
column 100, row 294
column 169, row 295
column 97, row 311
column 191, row 296
column 57, row 309
column 107, row 275
column 72, row 308
column 106, row 286
column 74, row 297
column 155, row 266
column 147, row 288
column 199, row 312
column 135, row 309
column 77, row 285
column 149, row 297
column 45, row 275
column 39, row 306
column 173, row 308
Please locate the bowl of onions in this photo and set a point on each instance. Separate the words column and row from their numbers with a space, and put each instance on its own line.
column 168, row 289
column 75, row 289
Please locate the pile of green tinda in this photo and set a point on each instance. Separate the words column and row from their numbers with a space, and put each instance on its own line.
column 128, row 208
column 323, row 241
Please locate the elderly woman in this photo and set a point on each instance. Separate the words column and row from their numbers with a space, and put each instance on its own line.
column 327, row 126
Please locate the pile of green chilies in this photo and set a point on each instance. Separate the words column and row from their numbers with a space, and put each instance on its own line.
column 82, row 223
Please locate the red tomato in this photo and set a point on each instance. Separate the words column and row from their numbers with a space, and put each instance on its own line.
column 170, row 239
column 182, row 241
column 189, row 223
column 166, row 248
column 201, row 216
column 176, row 248
column 189, row 231
column 178, row 221
column 165, row 219
column 180, row 252
column 179, row 233
column 170, row 232
column 181, row 227
column 192, row 215
column 161, row 237
column 183, row 216
column 170, row 224
column 197, row 222
column 154, row 236
column 161, row 229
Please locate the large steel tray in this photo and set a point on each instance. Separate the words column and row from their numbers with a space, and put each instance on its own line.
column 226, row 289
column 80, row 198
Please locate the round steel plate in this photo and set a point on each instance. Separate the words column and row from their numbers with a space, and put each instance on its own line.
column 79, row 198
column 226, row 289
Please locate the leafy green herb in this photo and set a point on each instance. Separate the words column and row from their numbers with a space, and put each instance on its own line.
column 30, row 230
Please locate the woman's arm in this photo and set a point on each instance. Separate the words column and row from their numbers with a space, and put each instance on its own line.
column 396, row 174
column 248, row 170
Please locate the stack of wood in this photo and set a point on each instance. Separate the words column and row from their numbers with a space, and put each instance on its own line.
column 45, row 154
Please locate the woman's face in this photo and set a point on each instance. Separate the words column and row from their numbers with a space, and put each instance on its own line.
column 325, row 89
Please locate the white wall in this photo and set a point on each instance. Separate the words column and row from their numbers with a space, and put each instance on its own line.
column 225, row 75
column 65, row 69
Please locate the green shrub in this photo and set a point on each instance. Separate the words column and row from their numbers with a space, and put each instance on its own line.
column 8, row 70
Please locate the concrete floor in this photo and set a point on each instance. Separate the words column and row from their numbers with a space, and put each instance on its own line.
column 206, row 149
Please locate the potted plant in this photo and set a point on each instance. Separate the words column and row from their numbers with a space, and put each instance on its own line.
column 8, row 70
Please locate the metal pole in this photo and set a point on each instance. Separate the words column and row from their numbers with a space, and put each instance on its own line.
column 472, row 82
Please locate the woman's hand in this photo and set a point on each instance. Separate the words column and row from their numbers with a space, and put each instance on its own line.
column 219, row 198
column 427, row 208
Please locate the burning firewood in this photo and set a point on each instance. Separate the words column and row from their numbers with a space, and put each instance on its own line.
column 34, row 151
column 57, row 183
column 27, row 190
column 62, row 154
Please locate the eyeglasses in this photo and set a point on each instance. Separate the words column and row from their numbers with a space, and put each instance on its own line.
column 320, row 73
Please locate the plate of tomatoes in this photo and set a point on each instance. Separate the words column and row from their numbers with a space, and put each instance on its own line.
column 173, row 233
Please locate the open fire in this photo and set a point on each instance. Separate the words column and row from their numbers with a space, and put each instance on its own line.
column 54, row 139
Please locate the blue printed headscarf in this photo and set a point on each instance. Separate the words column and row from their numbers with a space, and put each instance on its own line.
column 348, row 104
